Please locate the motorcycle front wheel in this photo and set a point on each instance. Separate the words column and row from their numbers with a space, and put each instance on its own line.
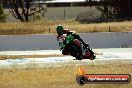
column 76, row 52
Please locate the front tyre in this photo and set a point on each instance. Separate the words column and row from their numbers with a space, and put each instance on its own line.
column 76, row 52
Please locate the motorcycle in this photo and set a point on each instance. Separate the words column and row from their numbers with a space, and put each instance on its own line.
column 75, row 48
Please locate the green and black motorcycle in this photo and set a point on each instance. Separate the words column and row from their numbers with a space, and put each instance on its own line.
column 71, row 46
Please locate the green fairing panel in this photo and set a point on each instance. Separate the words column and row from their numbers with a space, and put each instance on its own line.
column 69, row 39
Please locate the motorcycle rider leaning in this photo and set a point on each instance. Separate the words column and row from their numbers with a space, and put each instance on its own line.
column 60, row 31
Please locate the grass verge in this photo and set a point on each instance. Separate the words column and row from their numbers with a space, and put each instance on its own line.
column 4, row 57
column 43, row 27
column 60, row 77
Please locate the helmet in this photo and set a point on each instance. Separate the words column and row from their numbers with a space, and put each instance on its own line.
column 59, row 29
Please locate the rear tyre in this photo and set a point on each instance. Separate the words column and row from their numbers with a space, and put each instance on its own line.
column 92, row 56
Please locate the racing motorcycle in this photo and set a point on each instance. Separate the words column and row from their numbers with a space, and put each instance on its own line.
column 75, row 48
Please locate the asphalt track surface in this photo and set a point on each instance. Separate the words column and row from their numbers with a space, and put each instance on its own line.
column 103, row 56
column 49, row 42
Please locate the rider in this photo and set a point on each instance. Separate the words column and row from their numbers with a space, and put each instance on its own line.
column 60, row 30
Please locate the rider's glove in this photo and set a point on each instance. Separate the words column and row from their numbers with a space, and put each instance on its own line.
column 61, row 45
column 57, row 38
